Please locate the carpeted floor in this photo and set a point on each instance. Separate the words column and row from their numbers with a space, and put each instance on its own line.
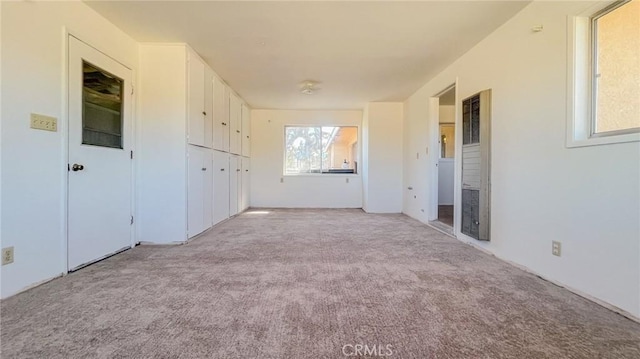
column 310, row 284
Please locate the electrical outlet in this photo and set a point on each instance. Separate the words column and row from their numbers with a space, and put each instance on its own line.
column 42, row 122
column 556, row 248
column 7, row 255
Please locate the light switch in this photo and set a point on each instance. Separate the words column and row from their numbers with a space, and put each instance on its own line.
column 42, row 122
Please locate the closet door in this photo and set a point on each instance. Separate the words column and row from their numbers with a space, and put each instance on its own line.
column 208, row 107
column 195, row 198
column 207, row 192
column 246, row 131
column 220, row 186
column 235, row 122
column 234, row 184
column 220, row 116
column 244, row 197
column 195, row 96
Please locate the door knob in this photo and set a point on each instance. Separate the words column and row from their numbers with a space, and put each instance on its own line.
column 77, row 167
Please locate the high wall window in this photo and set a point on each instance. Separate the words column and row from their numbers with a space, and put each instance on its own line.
column 605, row 75
column 320, row 149
column 616, row 68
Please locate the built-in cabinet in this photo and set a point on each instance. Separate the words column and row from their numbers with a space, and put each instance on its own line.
column 194, row 134
column 235, row 122
column 235, row 184
column 221, row 188
column 246, row 130
column 200, row 193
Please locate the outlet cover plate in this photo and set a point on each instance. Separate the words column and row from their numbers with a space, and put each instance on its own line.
column 556, row 248
column 7, row 255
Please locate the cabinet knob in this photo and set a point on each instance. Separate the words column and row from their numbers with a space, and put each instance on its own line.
column 222, row 169
column 224, row 124
column 247, row 136
column 238, row 170
column 238, row 131
column 204, row 168
column 204, row 113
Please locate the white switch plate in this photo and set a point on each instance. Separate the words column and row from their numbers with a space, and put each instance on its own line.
column 42, row 122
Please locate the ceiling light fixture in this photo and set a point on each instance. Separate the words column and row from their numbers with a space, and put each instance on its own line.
column 308, row 87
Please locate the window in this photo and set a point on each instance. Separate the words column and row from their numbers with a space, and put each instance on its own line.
column 605, row 76
column 320, row 149
column 101, row 107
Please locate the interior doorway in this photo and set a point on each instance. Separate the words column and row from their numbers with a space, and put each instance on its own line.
column 445, row 166
column 100, row 142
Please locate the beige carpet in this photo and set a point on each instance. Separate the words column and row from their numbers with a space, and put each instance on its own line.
column 310, row 284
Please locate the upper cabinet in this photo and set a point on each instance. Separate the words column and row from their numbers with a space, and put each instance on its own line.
column 246, row 131
column 220, row 116
column 235, row 121
column 199, row 105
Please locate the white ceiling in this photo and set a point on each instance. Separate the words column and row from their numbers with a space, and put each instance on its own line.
column 358, row 51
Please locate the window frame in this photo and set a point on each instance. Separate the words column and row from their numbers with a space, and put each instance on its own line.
column 581, row 70
column 321, row 174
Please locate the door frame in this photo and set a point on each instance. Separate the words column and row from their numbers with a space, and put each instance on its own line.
column 433, row 141
column 63, row 127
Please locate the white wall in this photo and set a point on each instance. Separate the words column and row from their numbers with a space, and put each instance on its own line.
column 587, row 197
column 447, row 113
column 34, row 161
column 382, row 174
column 267, row 157
column 162, row 168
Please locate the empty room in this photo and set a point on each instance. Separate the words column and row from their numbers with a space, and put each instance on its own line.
column 320, row 179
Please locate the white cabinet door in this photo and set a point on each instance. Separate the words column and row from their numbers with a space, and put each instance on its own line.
column 236, row 122
column 234, row 184
column 220, row 186
column 219, row 123
column 208, row 107
column 195, row 201
column 195, row 96
column 245, row 183
column 207, row 192
column 220, row 116
column 246, row 130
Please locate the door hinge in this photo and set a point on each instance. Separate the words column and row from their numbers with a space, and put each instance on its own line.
column 131, row 219
column 131, row 154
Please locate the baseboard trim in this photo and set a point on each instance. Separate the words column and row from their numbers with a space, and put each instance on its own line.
column 577, row 292
column 36, row 284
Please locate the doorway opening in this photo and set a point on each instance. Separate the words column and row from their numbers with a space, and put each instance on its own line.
column 445, row 166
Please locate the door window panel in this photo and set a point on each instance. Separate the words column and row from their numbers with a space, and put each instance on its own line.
column 102, row 95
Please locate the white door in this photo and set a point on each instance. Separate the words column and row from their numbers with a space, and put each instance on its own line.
column 235, row 122
column 195, row 198
column 100, row 144
column 207, row 193
column 220, row 116
column 245, row 183
column 220, row 186
column 246, row 131
column 196, row 110
column 234, row 184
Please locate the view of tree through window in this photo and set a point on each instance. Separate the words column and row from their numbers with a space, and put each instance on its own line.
column 315, row 149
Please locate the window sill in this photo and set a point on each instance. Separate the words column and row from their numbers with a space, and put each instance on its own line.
column 603, row 140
